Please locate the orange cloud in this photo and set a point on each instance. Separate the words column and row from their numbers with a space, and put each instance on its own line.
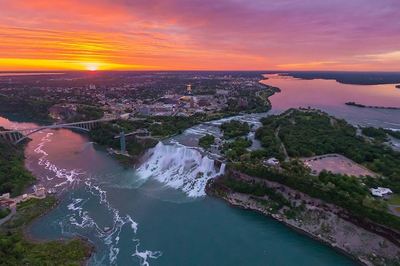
column 206, row 34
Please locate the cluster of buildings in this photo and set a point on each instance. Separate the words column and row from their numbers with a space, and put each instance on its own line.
column 152, row 93
column 183, row 105
column 63, row 111
column 7, row 202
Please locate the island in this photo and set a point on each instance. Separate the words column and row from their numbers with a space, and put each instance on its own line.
column 315, row 174
column 234, row 129
column 206, row 141
column 371, row 106
column 18, row 211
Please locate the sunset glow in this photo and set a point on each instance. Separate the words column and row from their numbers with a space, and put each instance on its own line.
column 199, row 35
column 92, row 66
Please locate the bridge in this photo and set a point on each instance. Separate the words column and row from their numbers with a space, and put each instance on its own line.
column 18, row 135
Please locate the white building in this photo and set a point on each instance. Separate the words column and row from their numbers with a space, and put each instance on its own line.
column 5, row 196
column 271, row 161
column 381, row 192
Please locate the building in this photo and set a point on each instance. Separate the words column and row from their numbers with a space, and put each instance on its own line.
column 39, row 191
column 271, row 162
column 222, row 92
column 5, row 196
column 189, row 89
column 7, row 204
column 381, row 192
column 144, row 110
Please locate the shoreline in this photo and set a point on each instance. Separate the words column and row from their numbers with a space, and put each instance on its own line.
column 25, row 229
column 341, row 77
column 27, row 235
column 78, row 249
column 363, row 246
column 286, row 224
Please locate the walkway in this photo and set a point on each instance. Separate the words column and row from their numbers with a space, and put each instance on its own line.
column 8, row 217
column 282, row 145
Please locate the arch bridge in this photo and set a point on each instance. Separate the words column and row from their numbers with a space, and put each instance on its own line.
column 17, row 136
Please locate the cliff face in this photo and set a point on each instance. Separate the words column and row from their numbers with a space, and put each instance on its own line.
column 368, row 243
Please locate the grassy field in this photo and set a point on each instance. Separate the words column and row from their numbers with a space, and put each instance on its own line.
column 394, row 199
column 15, row 249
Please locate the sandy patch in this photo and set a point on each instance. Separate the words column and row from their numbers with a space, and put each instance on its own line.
column 337, row 164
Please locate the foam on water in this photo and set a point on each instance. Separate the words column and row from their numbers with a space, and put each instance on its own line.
column 180, row 167
column 66, row 177
column 79, row 216
column 145, row 255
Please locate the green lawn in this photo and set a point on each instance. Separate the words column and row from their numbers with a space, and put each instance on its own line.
column 394, row 199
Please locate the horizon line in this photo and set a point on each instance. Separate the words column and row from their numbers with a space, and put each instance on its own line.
column 182, row 70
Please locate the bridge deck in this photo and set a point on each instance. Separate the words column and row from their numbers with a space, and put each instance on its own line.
column 57, row 125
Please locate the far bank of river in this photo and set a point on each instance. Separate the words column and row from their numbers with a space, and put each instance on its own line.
column 331, row 96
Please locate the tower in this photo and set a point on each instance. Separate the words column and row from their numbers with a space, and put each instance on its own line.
column 189, row 89
column 122, row 142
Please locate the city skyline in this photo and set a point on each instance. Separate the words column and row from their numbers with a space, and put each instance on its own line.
column 199, row 35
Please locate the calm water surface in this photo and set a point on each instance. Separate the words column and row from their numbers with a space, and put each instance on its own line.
column 331, row 96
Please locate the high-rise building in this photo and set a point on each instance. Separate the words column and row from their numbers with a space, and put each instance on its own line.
column 189, row 89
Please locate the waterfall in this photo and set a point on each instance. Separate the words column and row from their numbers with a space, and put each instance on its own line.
column 180, row 167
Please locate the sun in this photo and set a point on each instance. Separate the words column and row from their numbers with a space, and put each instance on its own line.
column 92, row 66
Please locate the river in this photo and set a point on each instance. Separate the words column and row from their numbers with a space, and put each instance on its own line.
column 158, row 214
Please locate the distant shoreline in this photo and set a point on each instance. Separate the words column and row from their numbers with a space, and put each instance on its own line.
column 345, row 77
column 12, row 74
column 371, row 106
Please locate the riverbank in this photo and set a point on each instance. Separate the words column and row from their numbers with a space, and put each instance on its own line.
column 313, row 217
column 18, row 247
column 16, row 243
column 345, row 77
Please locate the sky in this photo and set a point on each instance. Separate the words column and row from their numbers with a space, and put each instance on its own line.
column 353, row 35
